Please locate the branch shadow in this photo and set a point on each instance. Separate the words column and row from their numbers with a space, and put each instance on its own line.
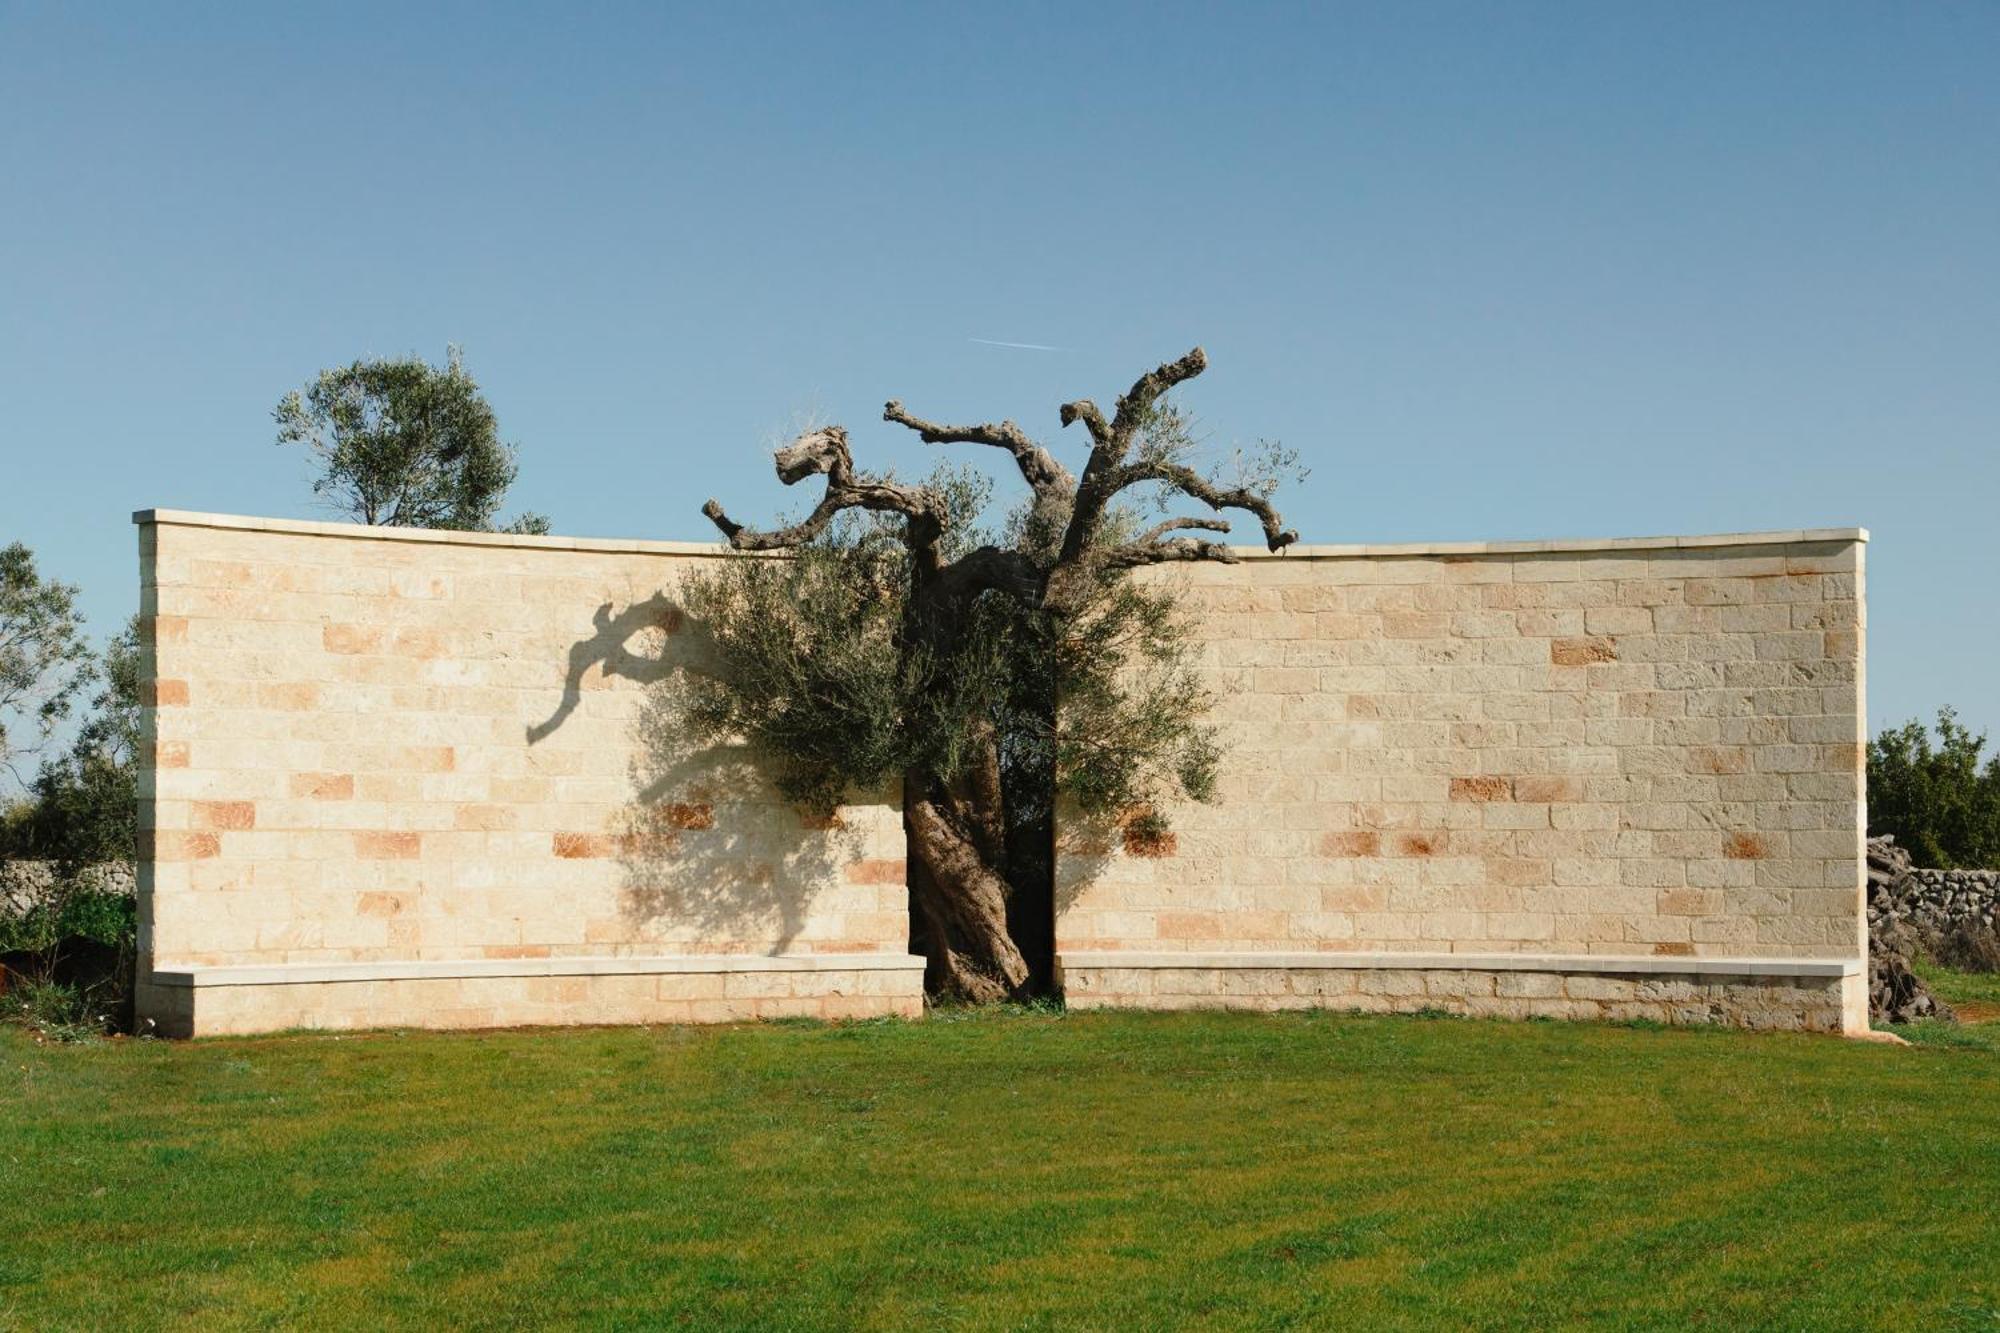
column 712, row 854
column 608, row 647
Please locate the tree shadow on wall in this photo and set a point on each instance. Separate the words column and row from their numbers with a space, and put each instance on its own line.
column 712, row 855
column 711, row 843
column 657, row 617
column 1083, row 853
column 1088, row 847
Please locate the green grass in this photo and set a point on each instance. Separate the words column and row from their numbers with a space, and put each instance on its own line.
column 1956, row 987
column 1003, row 1171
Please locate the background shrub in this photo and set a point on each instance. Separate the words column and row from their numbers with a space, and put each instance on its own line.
column 1937, row 800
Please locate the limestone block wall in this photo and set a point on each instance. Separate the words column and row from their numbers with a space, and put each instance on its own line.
column 401, row 777
column 1496, row 755
column 417, row 777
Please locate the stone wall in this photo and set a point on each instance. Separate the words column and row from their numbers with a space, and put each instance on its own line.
column 402, row 777
column 1637, row 754
column 1939, row 901
column 399, row 777
column 1793, row 995
column 24, row 884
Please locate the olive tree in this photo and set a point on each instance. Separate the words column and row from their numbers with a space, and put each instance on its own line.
column 994, row 674
column 403, row 443
column 1940, row 801
column 45, row 662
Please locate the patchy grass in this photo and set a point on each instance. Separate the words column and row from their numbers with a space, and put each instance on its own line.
column 1961, row 1035
column 1014, row 1170
column 1978, row 993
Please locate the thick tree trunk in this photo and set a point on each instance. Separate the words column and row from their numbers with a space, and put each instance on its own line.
column 982, row 854
column 963, row 902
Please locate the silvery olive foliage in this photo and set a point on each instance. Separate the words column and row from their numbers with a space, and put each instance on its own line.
column 45, row 662
column 402, row 443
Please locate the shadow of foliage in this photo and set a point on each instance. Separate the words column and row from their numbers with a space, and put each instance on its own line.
column 706, row 842
column 710, row 842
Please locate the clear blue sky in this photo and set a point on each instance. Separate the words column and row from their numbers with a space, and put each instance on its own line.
column 1497, row 271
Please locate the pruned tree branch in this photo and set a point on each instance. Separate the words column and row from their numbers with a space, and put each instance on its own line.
column 824, row 452
column 1111, row 440
column 1134, row 554
column 1038, row 467
column 1159, row 530
column 1153, row 547
column 1086, row 411
column 1136, row 402
column 1192, row 484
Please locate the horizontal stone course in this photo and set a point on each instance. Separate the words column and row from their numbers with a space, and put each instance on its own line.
column 517, row 1001
column 1831, row 999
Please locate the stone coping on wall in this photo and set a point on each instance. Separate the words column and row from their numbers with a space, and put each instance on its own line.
column 1604, row 964
column 293, row 974
column 435, row 536
column 1562, row 546
column 1581, row 545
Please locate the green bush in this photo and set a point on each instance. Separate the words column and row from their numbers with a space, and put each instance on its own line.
column 109, row 919
column 1937, row 800
column 58, row 1010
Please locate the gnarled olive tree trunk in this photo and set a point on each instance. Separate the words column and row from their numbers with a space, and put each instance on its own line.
column 980, row 854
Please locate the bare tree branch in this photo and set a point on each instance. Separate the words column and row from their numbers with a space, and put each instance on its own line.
column 824, row 452
column 1133, row 405
column 1159, row 530
column 1152, row 548
column 1136, row 402
column 1191, row 483
column 1094, row 493
column 1180, row 548
column 1086, row 411
column 1018, row 573
column 1038, row 467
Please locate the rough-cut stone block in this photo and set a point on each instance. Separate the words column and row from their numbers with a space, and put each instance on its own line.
column 1582, row 651
column 1485, row 787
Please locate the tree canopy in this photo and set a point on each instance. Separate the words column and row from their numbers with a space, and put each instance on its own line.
column 45, row 663
column 995, row 671
column 403, row 443
column 1937, row 799
column 85, row 800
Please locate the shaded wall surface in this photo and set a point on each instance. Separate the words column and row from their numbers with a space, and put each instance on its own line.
column 400, row 777
column 419, row 777
column 1639, row 762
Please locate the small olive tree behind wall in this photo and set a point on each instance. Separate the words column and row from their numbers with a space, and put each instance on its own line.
column 403, row 443
column 1938, row 800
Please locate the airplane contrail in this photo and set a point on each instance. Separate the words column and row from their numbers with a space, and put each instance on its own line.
column 1026, row 347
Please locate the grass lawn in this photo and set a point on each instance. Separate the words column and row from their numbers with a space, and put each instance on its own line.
column 1976, row 994
column 1004, row 1171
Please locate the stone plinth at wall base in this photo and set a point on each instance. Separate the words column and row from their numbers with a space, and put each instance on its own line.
column 1795, row 994
column 483, row 993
